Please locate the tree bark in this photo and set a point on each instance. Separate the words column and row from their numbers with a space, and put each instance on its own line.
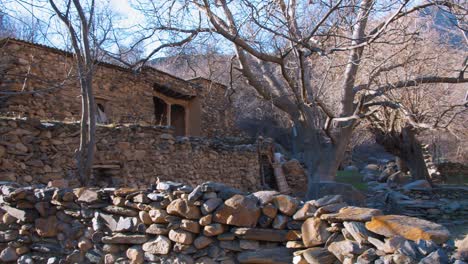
column 407, row 148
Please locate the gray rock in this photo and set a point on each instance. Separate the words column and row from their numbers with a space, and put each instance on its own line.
column 119, row 238
column 426, row 246
column 25, row 259
column 125, row 224
column 156, row 197
column 202, row 242
column 367, row 257
column 93, row 256
column 22, row 215
column 343, row 249
column 160, row 245
column 196, row 194
column 168, row 186
column 408, row 248
column 358, row 231
column 89, row 196
column 8, row 235
column 438, row 256
column 280, row 221
column 107, row 220
column 419, row 184
column 265, row 197
column 8, row 255
column 210, row 205
column 45, row 247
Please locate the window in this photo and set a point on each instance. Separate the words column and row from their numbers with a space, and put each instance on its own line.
column 101, row 116
column 160, row 111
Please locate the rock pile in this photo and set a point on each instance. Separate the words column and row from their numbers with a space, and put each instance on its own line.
column 211, row 223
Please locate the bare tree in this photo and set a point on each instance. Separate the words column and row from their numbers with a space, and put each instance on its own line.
column 292, row 52
column 82, row 28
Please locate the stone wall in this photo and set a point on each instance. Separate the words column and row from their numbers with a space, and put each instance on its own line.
column 216, row 107
column 212, row 223
column 126, row 95
column 133, row 156
column 444, row 204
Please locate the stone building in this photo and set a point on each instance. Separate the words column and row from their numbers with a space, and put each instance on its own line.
column 150, row 96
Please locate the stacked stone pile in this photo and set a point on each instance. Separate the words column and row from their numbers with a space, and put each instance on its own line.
column 211, row 223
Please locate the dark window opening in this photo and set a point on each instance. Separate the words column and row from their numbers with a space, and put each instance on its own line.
column 160, row 111
column 101, row 116
column 178, row 119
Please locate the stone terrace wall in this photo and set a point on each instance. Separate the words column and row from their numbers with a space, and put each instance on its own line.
column 35, row 152
column 443, row 204
column 209, row 224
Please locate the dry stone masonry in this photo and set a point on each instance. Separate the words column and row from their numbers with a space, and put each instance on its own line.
column 211, row 223
column 32, row 151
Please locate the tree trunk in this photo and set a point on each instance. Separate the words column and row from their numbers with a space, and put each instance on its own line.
column 407, row 148
column 321, row 157
column 88, row 166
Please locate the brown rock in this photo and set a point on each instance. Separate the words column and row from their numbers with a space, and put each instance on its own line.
column 160, row 245
column 238, row 210
column 206, row 220
column 331, row 208
column 314, row 232
column 286, row 204
column 88, row 196
column 270, row 210
column 352, row 213
column 157, row 229
column 182, row 208
column 279, row 255
column 190, row 225
column 158, row 216
column 305, row 212
column 411, row 228
column 181, row 236
column 213, row 230
column 265, row 197
column 135, row 254
column 145, row 218
column 85, row 244
column 46, row 227
column 318, row 256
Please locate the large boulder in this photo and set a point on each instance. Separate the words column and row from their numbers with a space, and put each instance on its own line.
column 314, row 232
column 238, row 210
column 183, row 208
column 411, row 228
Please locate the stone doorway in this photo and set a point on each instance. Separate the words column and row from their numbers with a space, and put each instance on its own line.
column 178, row 119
